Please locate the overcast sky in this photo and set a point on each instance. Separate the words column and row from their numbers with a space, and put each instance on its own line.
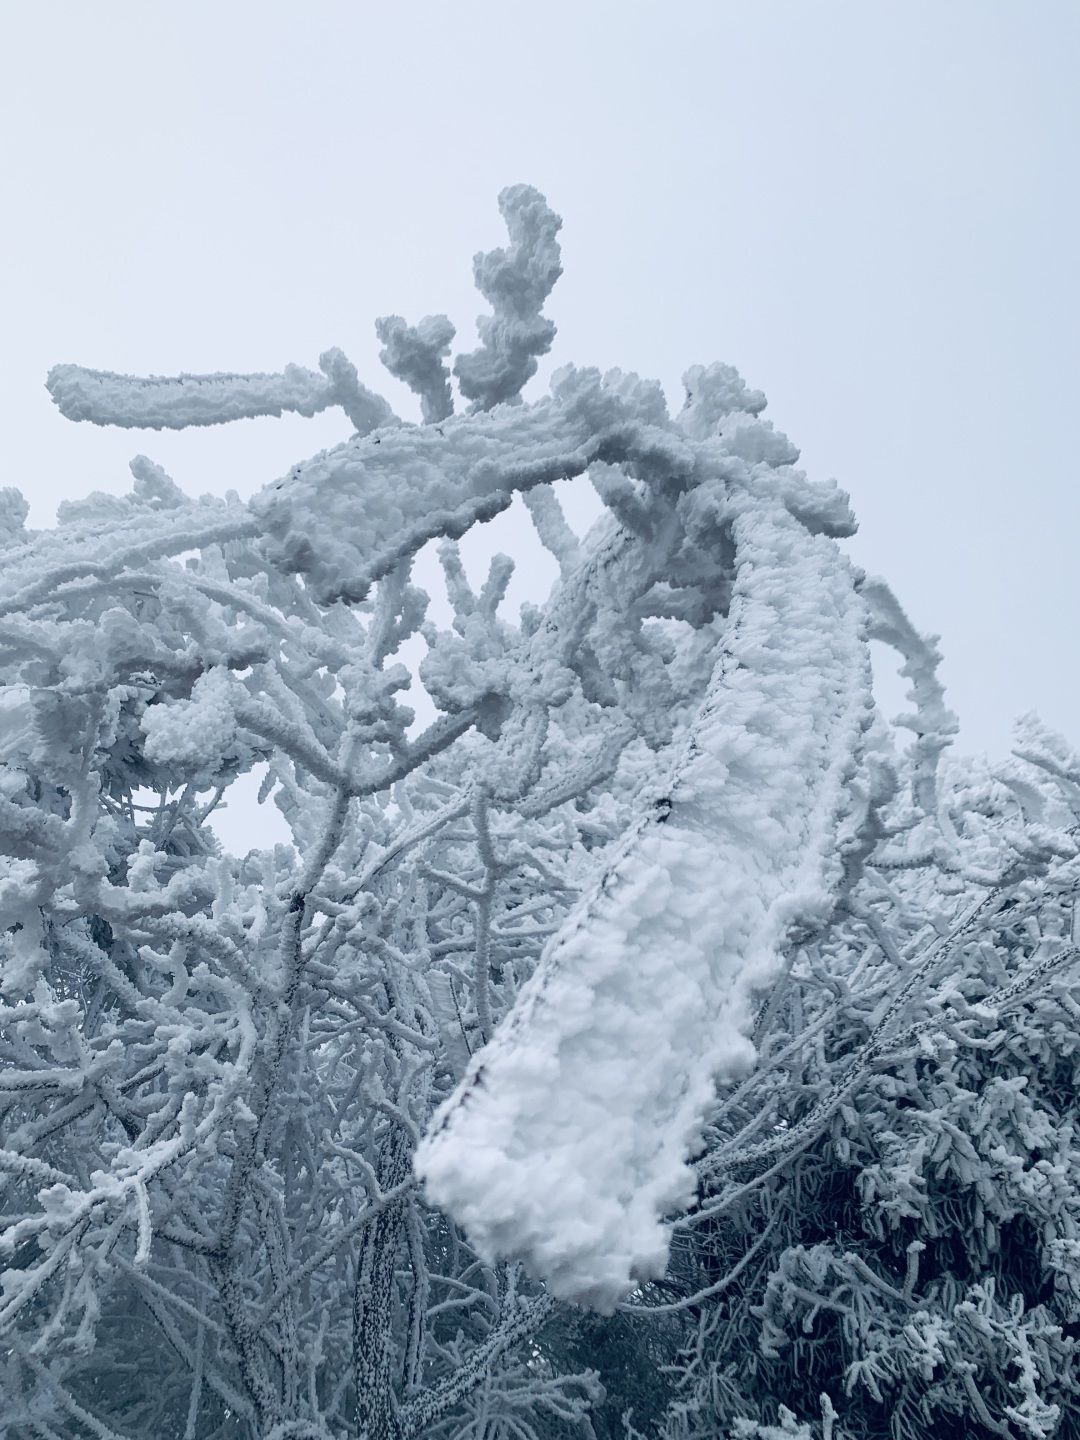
column 869, row 208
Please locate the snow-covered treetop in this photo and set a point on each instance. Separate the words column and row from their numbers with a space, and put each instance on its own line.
column 680, row 750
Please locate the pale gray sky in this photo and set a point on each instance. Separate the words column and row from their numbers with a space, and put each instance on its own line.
column 869, row 208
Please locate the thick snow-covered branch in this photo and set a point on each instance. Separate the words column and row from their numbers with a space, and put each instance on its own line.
column 568, row 1138
column 416, row 354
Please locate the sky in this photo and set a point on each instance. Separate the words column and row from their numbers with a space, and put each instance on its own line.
column 870, row 209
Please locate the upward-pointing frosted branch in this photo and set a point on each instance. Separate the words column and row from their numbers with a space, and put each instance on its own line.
column 516, row 281
column 934, row 723
column 415, row 354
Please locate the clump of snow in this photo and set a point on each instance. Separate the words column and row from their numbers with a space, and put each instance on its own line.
column 185, row 732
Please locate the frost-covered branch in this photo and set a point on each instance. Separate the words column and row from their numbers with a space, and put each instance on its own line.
column 162, row 403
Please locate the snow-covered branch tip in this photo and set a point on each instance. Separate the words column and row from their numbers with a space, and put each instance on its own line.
column 163, row 403
column 416, row 354
column 516, row 282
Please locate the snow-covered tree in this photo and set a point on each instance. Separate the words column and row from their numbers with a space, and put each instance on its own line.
column 650, row 1044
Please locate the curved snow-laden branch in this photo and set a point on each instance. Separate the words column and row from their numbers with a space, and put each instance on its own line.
column 346, row 517
column 934, row 723
column 158, row 402
column 568, row 1139
column 516, row 281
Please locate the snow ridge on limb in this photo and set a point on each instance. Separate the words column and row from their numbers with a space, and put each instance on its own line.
column 176, row 402
column 568, row 1139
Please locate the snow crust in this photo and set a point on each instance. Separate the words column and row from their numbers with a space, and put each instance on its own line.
column 567, row 1141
